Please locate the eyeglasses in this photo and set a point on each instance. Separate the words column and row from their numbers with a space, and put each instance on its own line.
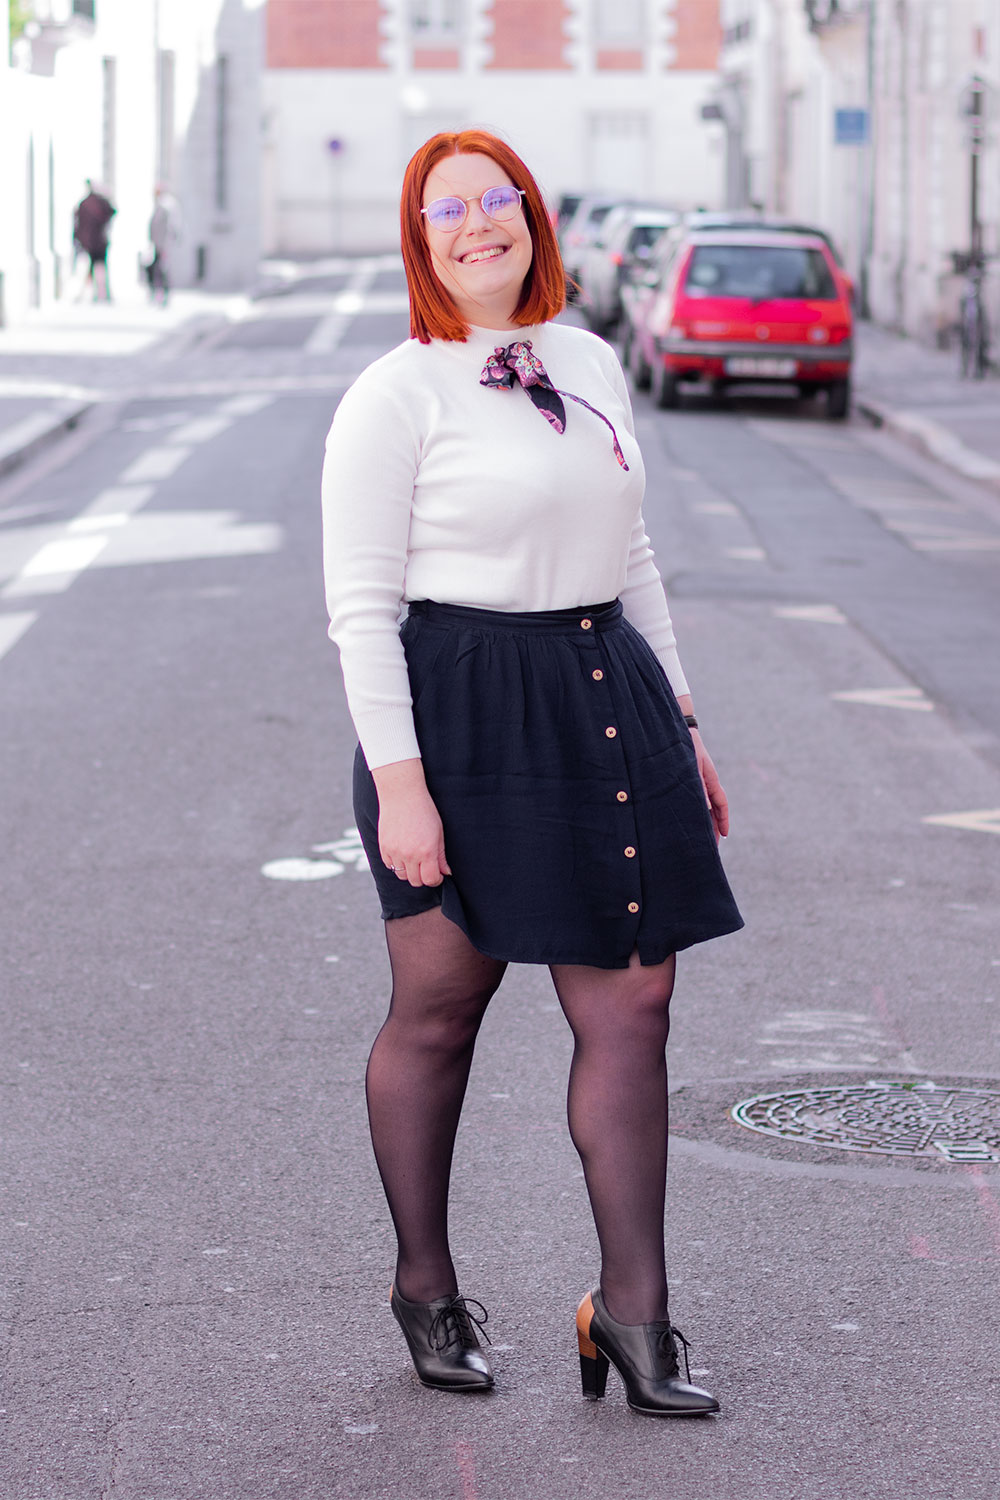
column 499, row 204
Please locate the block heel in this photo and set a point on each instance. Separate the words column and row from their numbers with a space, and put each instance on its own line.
column 593, row 1364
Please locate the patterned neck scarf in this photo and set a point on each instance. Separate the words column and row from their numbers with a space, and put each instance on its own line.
column 516, row 362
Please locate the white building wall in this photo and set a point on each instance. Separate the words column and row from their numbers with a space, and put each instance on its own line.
column 66, row 111
column 636, row 132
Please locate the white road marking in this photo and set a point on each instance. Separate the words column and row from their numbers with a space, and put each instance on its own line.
column 296, row 868
column 119, row 499
column 716, row 508
column 245, row 406
column 328, row 333
column 898, row 697
column 819, row 614
column 746, row 554
column 956, row 544
column 816, row 1040
column 201, row 430
column 66, row 555
column 986, row 821
column 99, row 523
column 155, row 463
column 12, row 627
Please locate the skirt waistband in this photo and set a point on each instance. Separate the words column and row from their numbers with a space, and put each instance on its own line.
column 583, row 617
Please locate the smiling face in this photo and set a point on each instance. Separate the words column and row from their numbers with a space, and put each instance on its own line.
column 483, row 264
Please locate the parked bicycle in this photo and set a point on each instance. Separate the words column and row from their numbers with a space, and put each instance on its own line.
column 972, row 325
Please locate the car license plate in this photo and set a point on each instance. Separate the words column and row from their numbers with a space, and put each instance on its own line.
column 775, row 369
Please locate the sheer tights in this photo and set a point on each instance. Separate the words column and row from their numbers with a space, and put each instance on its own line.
column 618, row 1122
column 417, row 1077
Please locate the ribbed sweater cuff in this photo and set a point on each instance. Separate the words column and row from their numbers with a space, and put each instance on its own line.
column 387, row 735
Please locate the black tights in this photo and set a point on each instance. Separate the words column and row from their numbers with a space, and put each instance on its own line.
column 417, row 1076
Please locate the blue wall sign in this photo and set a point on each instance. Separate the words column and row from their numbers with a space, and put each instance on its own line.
column 850, row 127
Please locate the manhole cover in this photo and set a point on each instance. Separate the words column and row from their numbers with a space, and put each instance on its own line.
column 891, row 1119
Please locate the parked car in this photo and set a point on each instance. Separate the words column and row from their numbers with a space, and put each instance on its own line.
column 564, row 210
column 580, row 231
column 742, row 305
column 624, row 241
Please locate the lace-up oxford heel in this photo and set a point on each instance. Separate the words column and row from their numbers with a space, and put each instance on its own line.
column 645, row 1356
column 446, row 1351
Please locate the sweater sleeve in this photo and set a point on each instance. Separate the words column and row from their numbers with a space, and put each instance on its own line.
column 643, row 598
column 372, row 455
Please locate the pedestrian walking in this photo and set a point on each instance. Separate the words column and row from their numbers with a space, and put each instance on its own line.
column 530, row 783
column 91, row 219
column 164, row 232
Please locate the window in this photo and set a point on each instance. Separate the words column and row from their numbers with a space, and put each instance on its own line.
column 221, row 194
column 759, row 273
column 108, row 108
column 165, row 93
column 619, row 23
column 435, row 20
column 84, row 8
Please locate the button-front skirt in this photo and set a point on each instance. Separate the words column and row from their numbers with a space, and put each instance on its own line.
column 574, row 818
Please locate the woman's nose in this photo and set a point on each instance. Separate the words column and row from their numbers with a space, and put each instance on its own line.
column 478, row 218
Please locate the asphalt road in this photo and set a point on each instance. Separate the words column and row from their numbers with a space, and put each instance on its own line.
column 196, row 1255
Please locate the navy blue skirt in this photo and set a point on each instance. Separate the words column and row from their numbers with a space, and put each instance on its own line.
column 575, row 822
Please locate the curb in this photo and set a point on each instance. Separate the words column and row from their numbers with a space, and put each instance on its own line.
column 932, row 439
column 36, row 432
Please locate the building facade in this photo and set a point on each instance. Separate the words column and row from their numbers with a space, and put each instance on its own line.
column 595, row 94
column 130, row 93
column 855, row 114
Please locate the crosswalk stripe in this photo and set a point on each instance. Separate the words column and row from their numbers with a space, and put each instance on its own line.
column 986, row 821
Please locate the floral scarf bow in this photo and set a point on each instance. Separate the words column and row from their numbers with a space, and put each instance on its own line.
column 518, row 363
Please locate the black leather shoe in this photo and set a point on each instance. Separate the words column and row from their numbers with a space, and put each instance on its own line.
column 645, row 1356
column 446, row 1352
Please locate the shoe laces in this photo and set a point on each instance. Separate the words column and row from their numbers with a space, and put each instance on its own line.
column 667, row 1348
column 453, row 1325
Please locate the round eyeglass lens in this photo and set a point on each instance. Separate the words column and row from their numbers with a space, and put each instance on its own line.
column 501, row 203
column 445, row 213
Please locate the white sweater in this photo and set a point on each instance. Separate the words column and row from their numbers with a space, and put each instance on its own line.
column 435, row 487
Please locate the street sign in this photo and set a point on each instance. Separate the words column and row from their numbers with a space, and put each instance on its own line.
column 850, row 127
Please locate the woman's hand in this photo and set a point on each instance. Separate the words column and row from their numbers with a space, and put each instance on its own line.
column 410, row 835
column 718, row 803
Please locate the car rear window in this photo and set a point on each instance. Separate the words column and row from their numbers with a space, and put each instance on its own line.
column 761, row 273
column 642, row 236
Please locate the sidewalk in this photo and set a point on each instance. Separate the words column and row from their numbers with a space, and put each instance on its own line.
column 917, row 394
column 63, row 360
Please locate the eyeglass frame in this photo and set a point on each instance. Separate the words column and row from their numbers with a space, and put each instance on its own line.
column 454, row 198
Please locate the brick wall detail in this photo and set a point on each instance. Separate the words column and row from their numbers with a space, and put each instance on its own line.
column 529, row 34
column 697, row 35
column 324, row 34
column 619, row 59
column 436, row 57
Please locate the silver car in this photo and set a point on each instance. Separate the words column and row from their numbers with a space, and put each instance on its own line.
column 625, row 240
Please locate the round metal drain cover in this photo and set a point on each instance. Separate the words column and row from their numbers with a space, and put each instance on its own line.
column 891, row 1119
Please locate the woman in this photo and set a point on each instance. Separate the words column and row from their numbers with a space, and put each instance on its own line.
column 530, row 784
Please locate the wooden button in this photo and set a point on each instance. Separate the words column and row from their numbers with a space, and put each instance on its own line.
column 597, row 675
column 622, row 796
column 629, row 852
column 633, row 907
column 586, row 624
column 611, row 732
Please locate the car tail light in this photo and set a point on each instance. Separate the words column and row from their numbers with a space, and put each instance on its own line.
column 839, row 332
column 616, row 258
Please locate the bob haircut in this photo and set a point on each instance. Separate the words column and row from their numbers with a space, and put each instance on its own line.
column 433, row 314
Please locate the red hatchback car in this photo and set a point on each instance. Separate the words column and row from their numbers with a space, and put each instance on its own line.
column 742, row 306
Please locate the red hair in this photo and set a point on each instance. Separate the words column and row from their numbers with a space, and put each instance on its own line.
column 433, row 314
